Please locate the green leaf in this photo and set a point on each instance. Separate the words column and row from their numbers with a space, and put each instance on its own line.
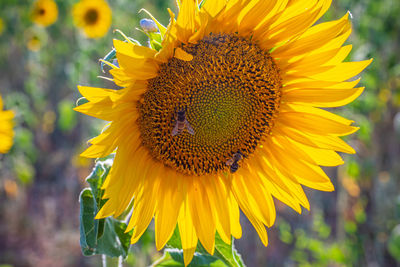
column 227, row 253
column 394, row 243
column 198, row 259
column 105, row 236
column 88, row 227
column 174, row 257
column 224, row 254
column 97, row 176
column 175, row 240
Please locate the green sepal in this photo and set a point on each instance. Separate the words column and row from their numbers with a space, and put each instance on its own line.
column 155, row 39
column 155, row 45
column 109, row 57
column 202, row 3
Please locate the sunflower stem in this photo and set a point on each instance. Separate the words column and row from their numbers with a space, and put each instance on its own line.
column 104, row 260
column 164, row 258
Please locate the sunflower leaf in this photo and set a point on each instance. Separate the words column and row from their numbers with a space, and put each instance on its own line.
column 175, row 240
column 227, row 253
column 224, row 255
column 174, row 257
column 88, row 227
column 105, row 236
column 97, row 177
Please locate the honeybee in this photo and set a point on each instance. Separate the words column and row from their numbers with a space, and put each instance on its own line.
column 233, row 162
column 181, row 124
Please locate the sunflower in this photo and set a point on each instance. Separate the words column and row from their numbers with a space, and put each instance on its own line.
column 6, row 128
column 93, row 17
column 44, row 12
column 227, row 115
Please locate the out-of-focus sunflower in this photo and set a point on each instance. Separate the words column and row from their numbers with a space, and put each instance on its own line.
column 226, row 115
column 6, row 128
column 44, row 12
column 1, row 26
column 35, row 38
column 34, row 43
column 93, row 17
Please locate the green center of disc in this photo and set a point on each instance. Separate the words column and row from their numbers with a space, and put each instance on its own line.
column 216, row 113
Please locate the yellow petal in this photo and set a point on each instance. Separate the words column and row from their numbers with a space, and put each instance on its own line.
column 105, row 109
column 295, row 163
column 217, row 194
column 170, row 38
column 134, row 50
column 314, row 38
column 145, row 209
column 330, row 57
column 234, row 214
column 322, row 97
column 186, row 21
column 212, row 8
column 201, row 211
column 318, row 141
column 323, row 157
column 343, row 71
column 137, row 68
column 313, row 84
column 242, row 198
column 226, row 21
column 292, row 27
column 187, row 233
column 94, row 94
column 182, row 55
column 171, row 194
column 295, row 188
column 254, row 12
column 262, row 197
column 316, row 111
column 278, row 189
column 314, row 124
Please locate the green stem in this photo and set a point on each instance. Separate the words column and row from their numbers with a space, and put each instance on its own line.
column 104, row 260
column 165, row 257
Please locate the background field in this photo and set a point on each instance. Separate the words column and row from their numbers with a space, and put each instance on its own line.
column 41, row 177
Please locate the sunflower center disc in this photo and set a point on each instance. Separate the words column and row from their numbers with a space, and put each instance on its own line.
column 91, row 16
column 229, row 94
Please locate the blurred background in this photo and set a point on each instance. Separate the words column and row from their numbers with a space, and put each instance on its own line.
column 42, row 175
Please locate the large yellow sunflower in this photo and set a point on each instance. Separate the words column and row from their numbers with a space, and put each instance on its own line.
column 6, row 128
column 93, row 17
column 226, row 115
column 44, row 12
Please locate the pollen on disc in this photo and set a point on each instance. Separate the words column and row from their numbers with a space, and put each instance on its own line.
column 230, row 93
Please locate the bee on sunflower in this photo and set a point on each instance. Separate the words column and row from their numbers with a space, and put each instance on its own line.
column 44, row 12
column 246, row 80
column 6, row 128
column 93, row 17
